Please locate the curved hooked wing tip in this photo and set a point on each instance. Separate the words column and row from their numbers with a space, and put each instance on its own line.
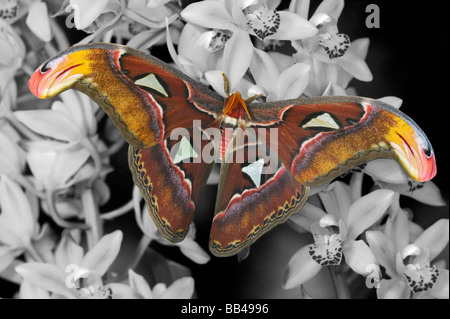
column 95, row 70
column 406, row 140
column 58, row 74
column 408, row 143
column 339, row 133
column 133, row 88
column 69, row 67
column 413, row 150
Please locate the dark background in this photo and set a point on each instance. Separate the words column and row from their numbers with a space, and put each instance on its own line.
column 408, row 56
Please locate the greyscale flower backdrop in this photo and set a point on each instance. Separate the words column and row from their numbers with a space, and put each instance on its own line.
column 73, row 225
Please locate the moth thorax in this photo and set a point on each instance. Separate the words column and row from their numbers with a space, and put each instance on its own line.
column 235, row 106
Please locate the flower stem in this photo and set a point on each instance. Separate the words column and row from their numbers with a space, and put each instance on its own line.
column 25, row 183
column 114, row 148
column 141, row 248
column 109, row 26
column 92, row 217
column 50, row 49
column 148, row 23
column 22, row 129
column 118, row 212
column 87, row 143
column 339, row 285
column 60, row 36
column 51, row 199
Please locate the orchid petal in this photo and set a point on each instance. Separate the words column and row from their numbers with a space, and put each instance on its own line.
column 435, row 237
column 67, row 164
column 153, row 10
column 140, row 285
column 244, row 86
column 12, row 51
column 153, row 4
column 10, row 273
column 264, row 70
column 300, row 7
column 68, row 252
column 191, row 46
column 440, row 289
column 182, row 288
column 334, row 90
column 328, row 221
column 332, row 8
column 194, row 252
column 309, row 214
column 102, row 255
column 86, row 11
column 283, row 61
column 8, row 235
column 209, row 14
column 8, row 89
column 399, row 265
column 44, row 243
column 7, row 255
column 209, row 42
column 30, row 291
column 293, row 81
column 415, row 231
column 237, row 55
column 343, row 231
column 387, row 171
column 120, row 291
column 367, row 210
column 54, row 169
column 273, row 4
column 336, row 200
column 382, row 249
column 148, row 225
column 38, row 21
column 16, row 214
column 400, row 231
column 393, row 289
column 413, row 250
column 293, row 27
column 254, row 90
column 158, row 290
column 79, row 108
column 45, row 276
column 427, row 193
column 392, row 101
column 12, row 157
column 359, row 256
column 355, row 185
column 301, row 268
column 355, row 65
column 189, row 68
column 321, row 19
column 236, row 8
column 49, row 123
column 41, row 167
column 361, row 47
